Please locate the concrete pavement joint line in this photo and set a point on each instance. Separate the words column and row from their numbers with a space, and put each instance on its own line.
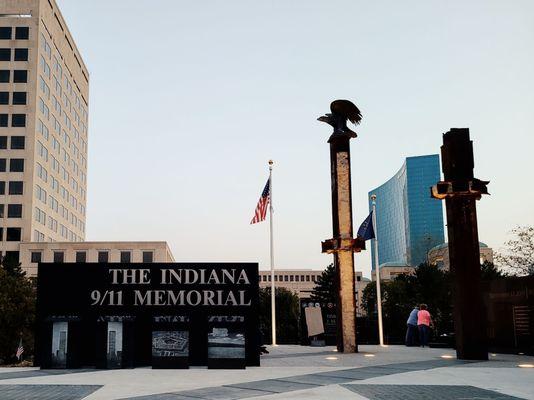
column 289, row 355
column 442, row 392
column 274, row 385
column 316, row 379
column 223, row 392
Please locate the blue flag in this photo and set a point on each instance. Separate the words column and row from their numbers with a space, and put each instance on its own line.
column 366, row 230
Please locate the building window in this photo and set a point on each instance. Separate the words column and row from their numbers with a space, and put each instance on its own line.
column 40, row 193
column 59, row 256
column 16, row 187
column 36, row 256
column 4, row 75
column 21, row 54
column 358, row 278
column 5, row 54
column 22, row 33
column 286, row 278
column 3, row 142
column 4, row 97
column 126, row 256
column 14, row 211
column 2, row 165
column 19, row 98
column 16, row 165
column 3, row 120
column 297, row 278
column 81, row 256
column 20, row 76
column 148, row 256
column 18, row 120
column 38, row 236
column 103, row 256
column 2, row 187
column 18, row 142
column 5, row 33
column 13, row 234
column 40, row 216
column 291, row 278
column 2, row 211
column 13, row 256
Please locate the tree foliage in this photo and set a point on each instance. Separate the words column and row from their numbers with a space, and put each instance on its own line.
column 17, row 310
column 518, row 257
column 325, row 290
column 489, row 271
column 427, row 284
column 287, row 315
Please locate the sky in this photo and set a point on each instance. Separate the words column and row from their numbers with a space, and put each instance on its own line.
column 189, row 101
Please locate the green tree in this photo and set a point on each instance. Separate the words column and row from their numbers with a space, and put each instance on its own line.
column 325, row 290
column 489, row 271
column 432, row 286
column 17, row 310
column 287, row 315
column 427, row 284
column 518, row 257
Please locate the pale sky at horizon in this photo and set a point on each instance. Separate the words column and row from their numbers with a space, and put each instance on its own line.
column 189, row 100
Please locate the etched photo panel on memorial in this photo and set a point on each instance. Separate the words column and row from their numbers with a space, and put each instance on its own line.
column 226, row 342
column 60, row 332
column 170, row 342
column 114, row 345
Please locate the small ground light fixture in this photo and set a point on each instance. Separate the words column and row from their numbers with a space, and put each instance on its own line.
column 448, row 356
column 525, row 365
column 369, row 355
column 331, row 358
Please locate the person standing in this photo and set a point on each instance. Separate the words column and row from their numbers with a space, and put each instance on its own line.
column 411, row 327
column 424, row 320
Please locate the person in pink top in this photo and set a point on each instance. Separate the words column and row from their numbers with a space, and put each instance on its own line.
column 424, row 320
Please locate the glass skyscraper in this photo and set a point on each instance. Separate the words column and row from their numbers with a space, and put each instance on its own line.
column 409, row 222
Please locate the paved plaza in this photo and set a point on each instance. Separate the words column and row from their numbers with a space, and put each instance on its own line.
column 292, row 372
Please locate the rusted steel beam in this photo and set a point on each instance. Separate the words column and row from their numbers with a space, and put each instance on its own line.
column 460, row 191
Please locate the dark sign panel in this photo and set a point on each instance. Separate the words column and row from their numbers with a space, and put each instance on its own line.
column 121, row 315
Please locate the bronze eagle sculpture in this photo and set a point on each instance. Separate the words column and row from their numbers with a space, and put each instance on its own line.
column 341, row 111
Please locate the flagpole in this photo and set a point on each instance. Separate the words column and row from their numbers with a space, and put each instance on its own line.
column 273, row 293
column 377, row 267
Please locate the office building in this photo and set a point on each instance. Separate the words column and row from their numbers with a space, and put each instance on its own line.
column 44, row 92
column 32, row 253
column 390, row 270
column 300, row 281
column 409, row 221
column 303, row 281
column 439, row 255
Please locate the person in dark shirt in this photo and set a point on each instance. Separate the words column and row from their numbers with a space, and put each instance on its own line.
column 411, row 328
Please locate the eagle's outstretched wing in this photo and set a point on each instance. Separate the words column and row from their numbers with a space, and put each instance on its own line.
column 346, row 109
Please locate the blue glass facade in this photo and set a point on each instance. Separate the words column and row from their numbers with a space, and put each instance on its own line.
column 409, row 222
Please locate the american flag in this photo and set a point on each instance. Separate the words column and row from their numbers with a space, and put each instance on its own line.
column 261, row 208
column 20, row 350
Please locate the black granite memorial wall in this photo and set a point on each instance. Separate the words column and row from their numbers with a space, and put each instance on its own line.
column 126, row 315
